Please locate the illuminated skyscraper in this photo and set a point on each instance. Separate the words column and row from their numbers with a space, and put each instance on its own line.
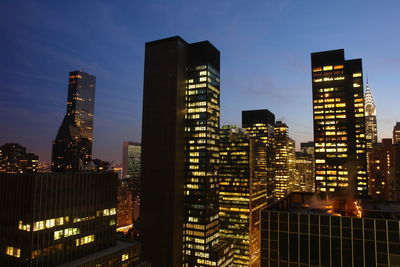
column 242, row 192
column 396, row 133
column 282, row 162
column 72, row 147
column 339, row 123
column 179, row 189
column 371, row 134
column 260, row 124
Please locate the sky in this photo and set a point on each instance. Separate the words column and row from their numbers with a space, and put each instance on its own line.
column 265, row 60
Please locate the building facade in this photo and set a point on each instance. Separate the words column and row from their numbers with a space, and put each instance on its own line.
column 180, row 216
column 15, row 159
column 305, row 171
column 72, row 146
column 339, row 123
column 260, row 124
column 61, row 217
column 304, row 229
column 243, row 193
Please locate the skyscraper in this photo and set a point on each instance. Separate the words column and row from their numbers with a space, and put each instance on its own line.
column 179, row 190
column 242, row 192
column 396, row 133
column 73, row 144
column 15, row 159
column 260, row 124
column 339, row 123
column 282, row 161
column 371, row 134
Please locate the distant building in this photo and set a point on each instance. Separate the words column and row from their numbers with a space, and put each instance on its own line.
column 260, row 124
column 60, row 218
column 131, row 167
column 339, row 123
column 72, row 146
column 307, row 147
column 243, row 193
column 131, row 159
column 179, row 212
column 396, row 133
column 307, row 229
column 15, row 159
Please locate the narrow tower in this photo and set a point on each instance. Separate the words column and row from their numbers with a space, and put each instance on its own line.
column 73, row 144
column 371, row 135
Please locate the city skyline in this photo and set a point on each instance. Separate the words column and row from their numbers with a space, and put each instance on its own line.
column 263, row 45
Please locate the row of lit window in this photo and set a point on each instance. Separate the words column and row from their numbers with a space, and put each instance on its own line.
column 66, row 233
column 84, row 240
column 326, row 79
column 327, row 68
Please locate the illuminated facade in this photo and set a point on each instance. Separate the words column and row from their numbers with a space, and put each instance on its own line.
column 125, row 205
column 282, row 162
column 304, row 172
column 179, row 216
column 243, row 193
column 304, row 229
column 61, row 217
column 260, row 124
column 380, row 169
column 72, row 147
column 14, row 159
column 371, row 133
column 339, row 123
column 396, row 133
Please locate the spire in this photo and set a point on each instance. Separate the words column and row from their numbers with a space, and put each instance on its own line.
column 369, row 101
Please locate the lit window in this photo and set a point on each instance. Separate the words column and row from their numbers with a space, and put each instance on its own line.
column 317, row 69
column 125, row 256
column 15, row 252
column 325, row 68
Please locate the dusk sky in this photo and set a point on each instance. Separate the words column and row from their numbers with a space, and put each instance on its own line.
column 265, row 60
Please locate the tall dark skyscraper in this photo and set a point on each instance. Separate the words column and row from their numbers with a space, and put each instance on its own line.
column 339, row 123
column 180, row 153
column 73, row 144
column 260, row 124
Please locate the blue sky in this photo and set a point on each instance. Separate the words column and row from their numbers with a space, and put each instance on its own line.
column 265, row 59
